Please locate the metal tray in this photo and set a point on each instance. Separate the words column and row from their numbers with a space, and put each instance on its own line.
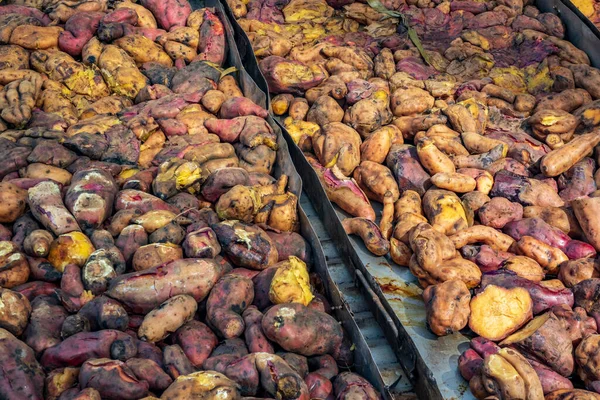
column 392, row 292
column 365, row 363
column 586, row 36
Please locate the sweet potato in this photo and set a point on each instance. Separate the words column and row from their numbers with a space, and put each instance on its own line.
column 23, row 368
column 572, row 394
column 445, row 211
column 290, row 283
column 585, row 211
column 295, row 333
column 155, row 254
column 14, row 268
column 60, row 380
column 275, row 376
column 37, row 243
column 43, row 330
column 348, row 384
column 175, row 362
column 497, row 312
column 254, row 335
column 372, row 237
column 574, row 271
column 196, row 340
column 111, row 378
column 167, row 318
column 149, row 371
column 257, row 251
column 291, row 244
column 447, row 306
column 14, row 201
column 90, row 197
column 131, row 238
column 528, row 192
column 15, row 315
column 76, row 349
column 563, row 158
column 70, row 248
column 545, row 338
column 228, row 298
column 46, row 205
column 575, row 321
column 202, row 384
column 343, row 191
column 277, row 68
column 142, row 291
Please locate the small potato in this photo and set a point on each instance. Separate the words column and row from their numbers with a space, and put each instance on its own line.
column 499, row 211
column 229, row 87
column 37, row 243
column 299, row 108
column 155, row 254
column 13, row 200
column 167, row 318
column 281, row 103
column 547, row 256
column 447, row 307
column 432, row 159
column 14, row 311
column 14, row 268
column 43, row 171
column 525, row 267
column 454, row 182
column 70, row 248
column 212, row 100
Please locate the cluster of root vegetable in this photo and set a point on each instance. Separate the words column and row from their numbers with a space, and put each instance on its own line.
column 481, row 147
column 146, row 250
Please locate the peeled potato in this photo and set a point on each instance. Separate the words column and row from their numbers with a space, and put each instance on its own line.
column 497, row 312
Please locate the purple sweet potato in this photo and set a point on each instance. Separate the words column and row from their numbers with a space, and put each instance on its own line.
column 90, row 197
column 45, row 201
column 176, row 362
column 227, row 300
column 404, row 163
column 239, row 107
column 112, row 379
column 135, row 199
column 79, row 29
column 169, row 14
column 76, row 349
column 196, row 340
column 46, row 319
column 544, row 232
column 149, row 371
column 142, row 291
column 22, row 376
column 301, row 330
column 543, row 297
column 254, row 335
column 212, row 46
column 470, row 364
column 319, row 386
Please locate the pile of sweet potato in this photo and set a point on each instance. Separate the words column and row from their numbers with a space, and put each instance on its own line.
column 146, row 250
column 482, row 150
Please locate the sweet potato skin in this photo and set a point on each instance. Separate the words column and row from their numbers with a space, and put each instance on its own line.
column 196, row 340
column 23, row 369
column 298, row 334
column 74, row 350
column 142, row 291
column 228, row 299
